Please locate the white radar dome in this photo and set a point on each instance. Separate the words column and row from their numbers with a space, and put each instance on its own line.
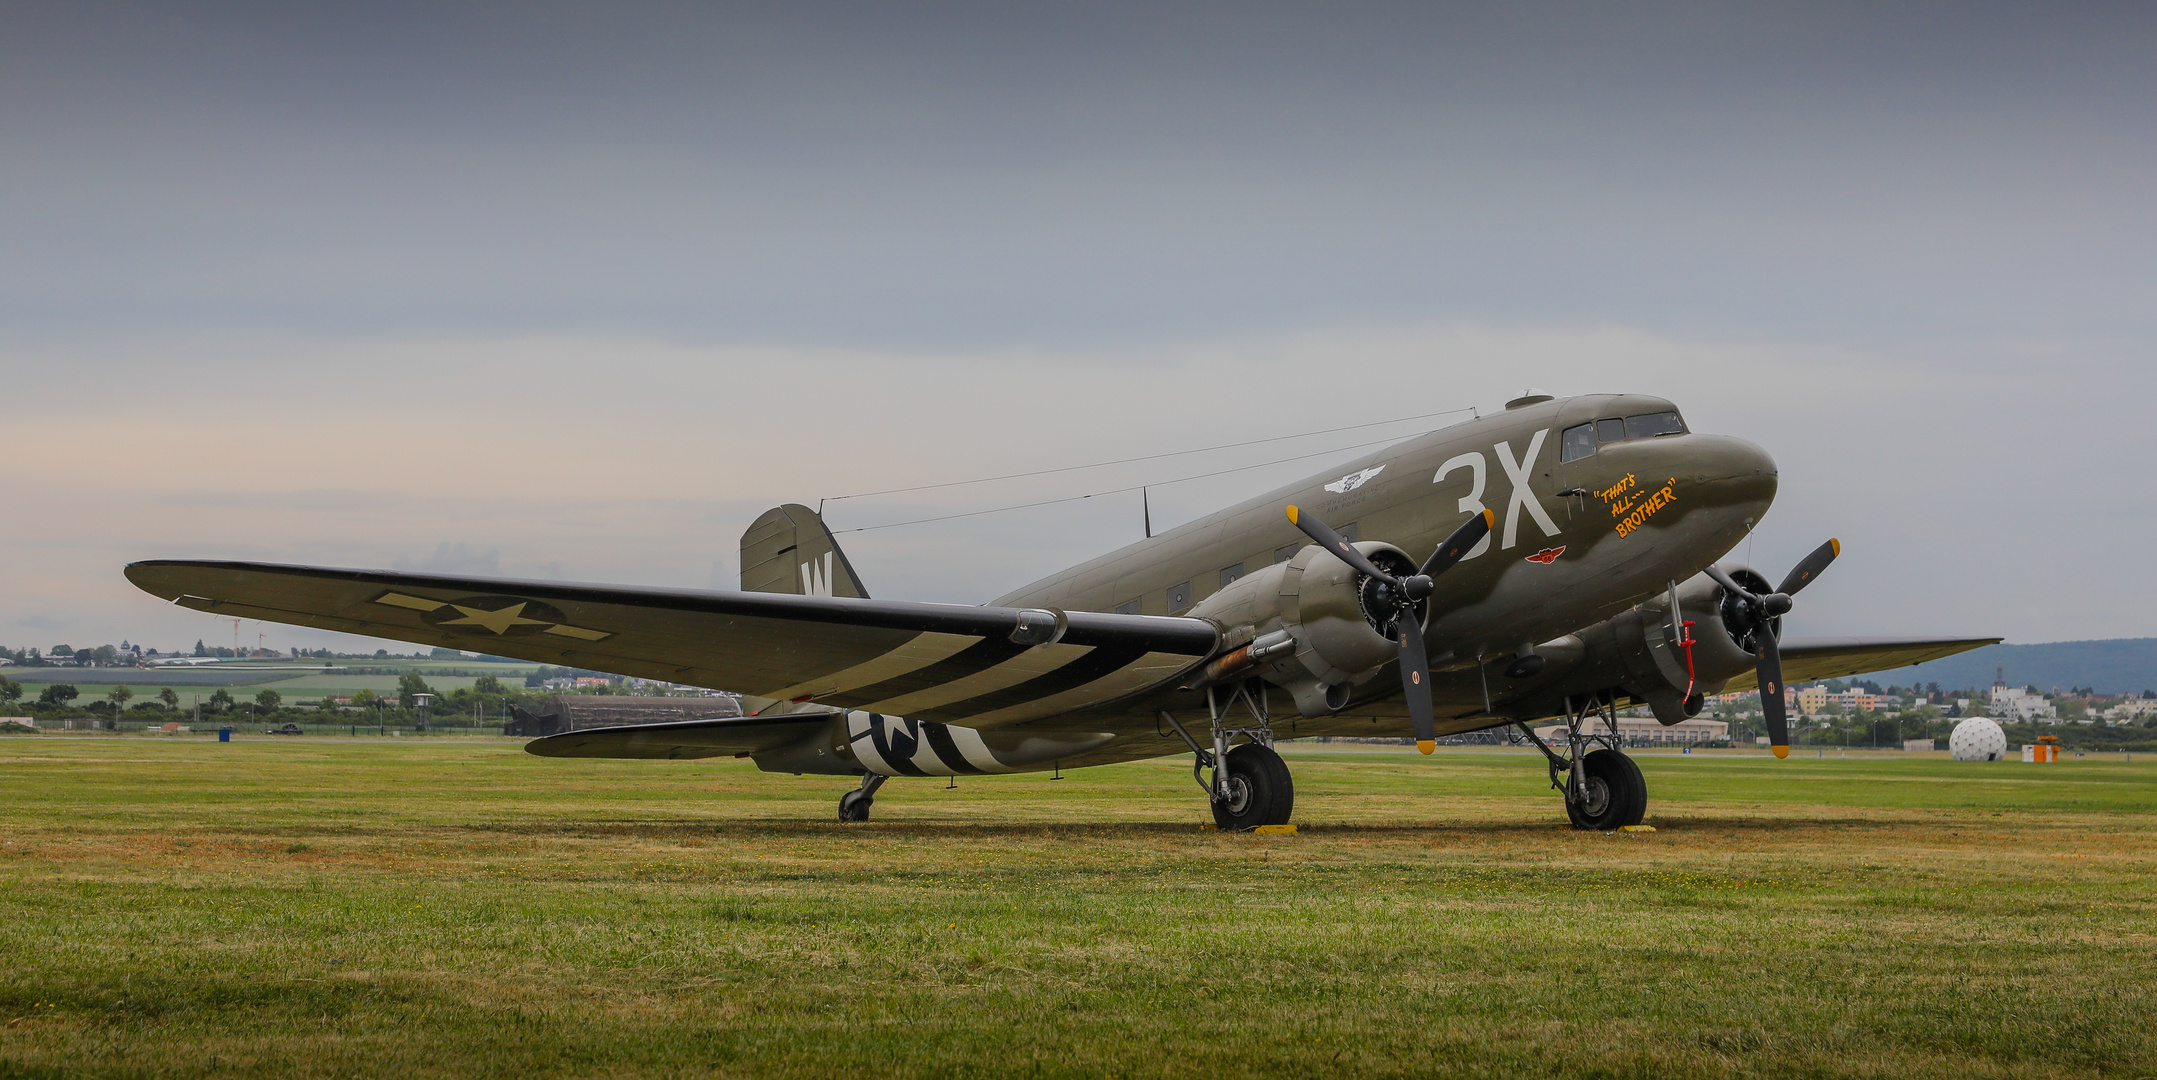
column 1977, row 739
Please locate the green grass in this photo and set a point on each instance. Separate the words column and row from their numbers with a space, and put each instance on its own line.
column 459, row 908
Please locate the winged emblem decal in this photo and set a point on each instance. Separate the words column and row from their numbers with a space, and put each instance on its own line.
column 1354, row 480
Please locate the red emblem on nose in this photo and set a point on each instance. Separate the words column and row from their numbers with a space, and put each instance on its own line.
column 1547, row 555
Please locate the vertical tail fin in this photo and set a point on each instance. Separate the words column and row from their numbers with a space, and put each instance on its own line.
column 789, row 550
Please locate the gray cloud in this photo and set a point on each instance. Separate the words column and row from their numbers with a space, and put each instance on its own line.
column 961, row 175
column 589, row 290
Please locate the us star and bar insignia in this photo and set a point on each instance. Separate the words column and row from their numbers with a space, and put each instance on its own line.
column 504, row 615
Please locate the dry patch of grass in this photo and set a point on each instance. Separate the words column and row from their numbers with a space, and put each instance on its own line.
column 361, row 909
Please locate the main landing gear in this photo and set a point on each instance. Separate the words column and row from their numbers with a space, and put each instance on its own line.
column 854, row 805
column 1603, row 788
column 1250, row 785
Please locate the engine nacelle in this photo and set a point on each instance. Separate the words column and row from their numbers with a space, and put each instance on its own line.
column 1640, row 652
column 1307, row 626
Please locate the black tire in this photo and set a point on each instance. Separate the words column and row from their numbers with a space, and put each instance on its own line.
column 1615, row 794
column 1259, row 789
column 854, row 806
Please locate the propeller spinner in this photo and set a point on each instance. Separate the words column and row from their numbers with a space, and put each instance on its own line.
column 1757, row 615
column 1405, row 594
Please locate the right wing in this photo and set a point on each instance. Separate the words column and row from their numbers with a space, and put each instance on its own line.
column 948, row 663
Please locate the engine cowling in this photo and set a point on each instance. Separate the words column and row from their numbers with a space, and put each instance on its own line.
column 1309, row 625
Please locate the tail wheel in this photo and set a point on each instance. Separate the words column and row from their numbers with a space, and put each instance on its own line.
column 1257, row 790
column 1612, row 793
column 854, row 806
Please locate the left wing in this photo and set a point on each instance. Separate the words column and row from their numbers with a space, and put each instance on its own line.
column 985, row 666
column 1806, row 659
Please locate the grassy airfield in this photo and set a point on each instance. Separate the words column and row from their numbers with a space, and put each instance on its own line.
column 459, row 908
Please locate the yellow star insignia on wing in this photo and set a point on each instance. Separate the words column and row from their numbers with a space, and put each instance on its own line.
column 497, row 621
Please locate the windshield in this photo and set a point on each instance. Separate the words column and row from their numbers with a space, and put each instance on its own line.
column 1649, row 425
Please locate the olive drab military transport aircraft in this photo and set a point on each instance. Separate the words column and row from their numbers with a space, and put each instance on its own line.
column 1558, row 559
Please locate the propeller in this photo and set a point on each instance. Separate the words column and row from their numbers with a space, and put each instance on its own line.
column 1755, row 616
column 1402, row 595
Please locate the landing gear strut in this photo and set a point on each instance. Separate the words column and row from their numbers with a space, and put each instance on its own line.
column 854, row 805
column 1250, row 785
column 1603, row 788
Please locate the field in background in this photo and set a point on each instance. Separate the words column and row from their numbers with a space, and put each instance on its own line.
column 459, row 908
column 290, row 678
column 304, row 688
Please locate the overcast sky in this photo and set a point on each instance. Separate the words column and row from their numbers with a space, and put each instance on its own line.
column 577, row 292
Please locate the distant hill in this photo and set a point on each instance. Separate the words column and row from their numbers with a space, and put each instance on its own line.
column 2115, row 666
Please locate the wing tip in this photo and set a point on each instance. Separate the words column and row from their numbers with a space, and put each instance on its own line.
column 144, row 574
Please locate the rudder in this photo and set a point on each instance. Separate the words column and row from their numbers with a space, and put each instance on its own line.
column 789, row 550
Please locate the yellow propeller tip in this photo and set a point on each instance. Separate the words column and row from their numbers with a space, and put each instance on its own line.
column 1834, row 545
column 1782, row 751
column 1490, row 519
column 1291, row 514
column 1425, row 746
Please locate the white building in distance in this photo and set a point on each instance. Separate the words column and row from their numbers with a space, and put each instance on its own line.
column 2016, row 704
column 2134, row 708
column 1647, row 731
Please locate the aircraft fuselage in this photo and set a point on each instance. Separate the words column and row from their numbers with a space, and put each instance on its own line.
column 1573, row 541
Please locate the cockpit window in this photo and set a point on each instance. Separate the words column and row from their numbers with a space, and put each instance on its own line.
column 1576, row 443
column 1611, row 430
column 1649, row 425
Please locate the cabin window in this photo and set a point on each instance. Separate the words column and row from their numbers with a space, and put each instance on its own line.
column 1610, row 431
column 1230, row 573
column 1577, row 442
column 1286, row 552
column 1179, row 597
column 1649, row 425
column 1128, row 607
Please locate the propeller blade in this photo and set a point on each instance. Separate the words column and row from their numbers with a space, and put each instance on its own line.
column 1416, row 682
column 1769, row 657
column 1729, row 586
column 1457, row 545
column 1802, row 574
column 1339, row 547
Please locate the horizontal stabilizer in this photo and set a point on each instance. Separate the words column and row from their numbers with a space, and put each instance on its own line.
column 726, row 737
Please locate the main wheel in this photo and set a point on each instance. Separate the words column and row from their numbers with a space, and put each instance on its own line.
column 1259, row 791
column 1613, row 793
column 854, row 806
